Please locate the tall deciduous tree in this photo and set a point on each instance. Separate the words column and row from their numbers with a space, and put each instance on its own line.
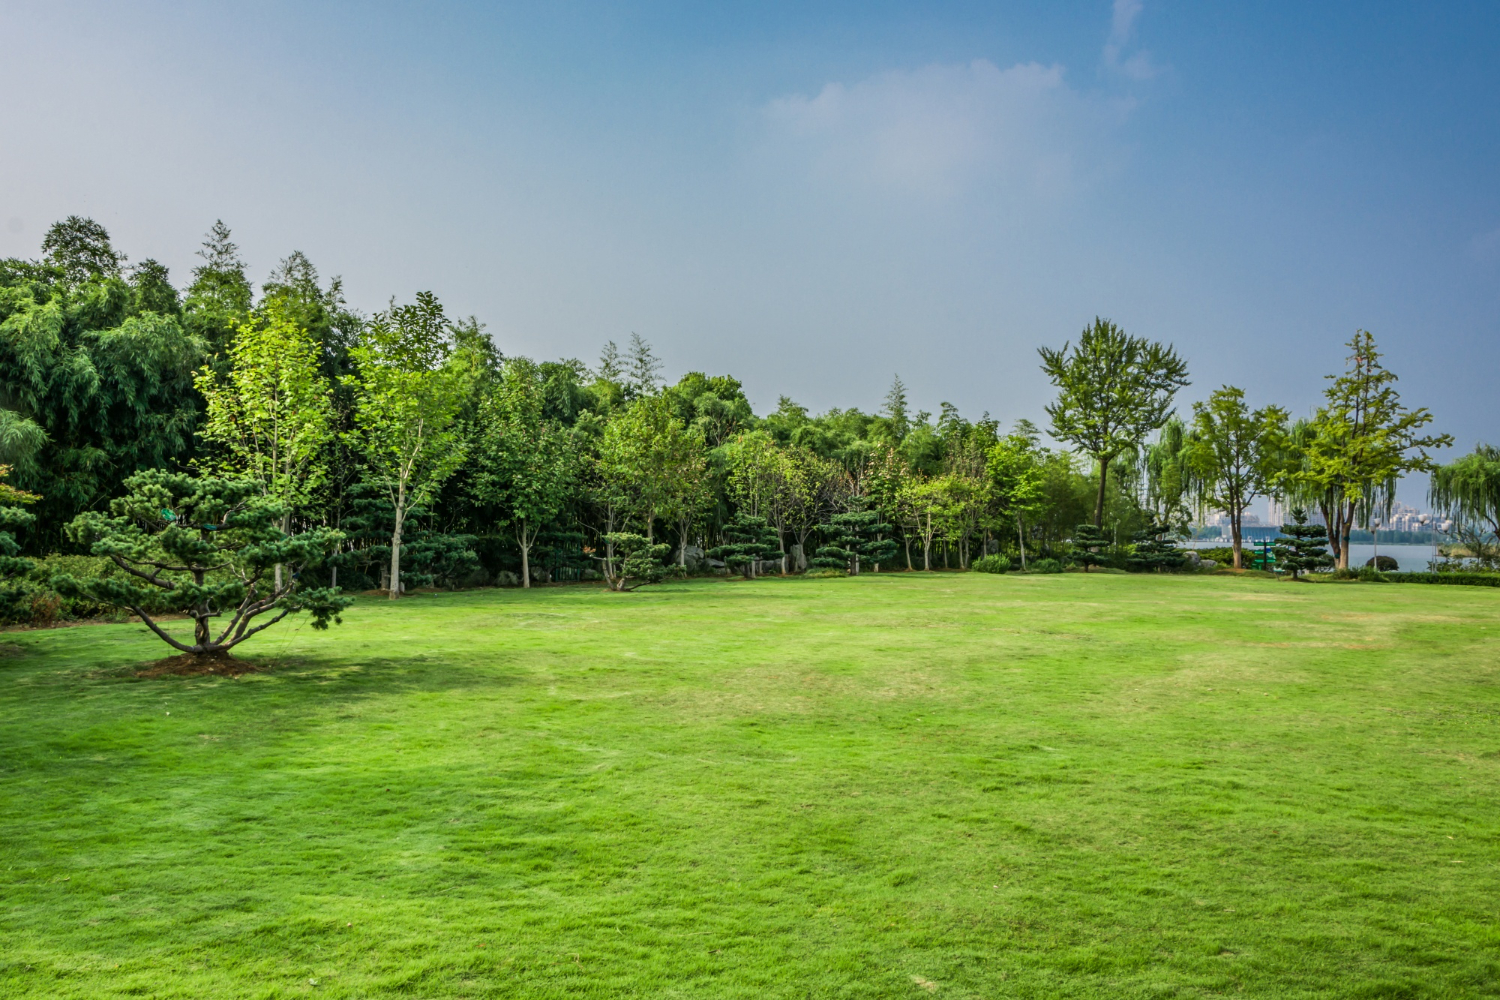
column 270, row 415
column 1236, row 455
column 81, row 250
column 408, row 398
column 1113, row 390
column 1360, row 444
column 526, row 465
column 1016, row 480
column 648, row 456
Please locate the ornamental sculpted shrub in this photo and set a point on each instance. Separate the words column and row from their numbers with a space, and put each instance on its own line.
column 205, row 548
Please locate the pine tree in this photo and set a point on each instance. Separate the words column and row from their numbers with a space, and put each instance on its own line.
column 748, row 540
column 856, row 536
column 1154, row 550
column 1303, row 547
column 1088, row 541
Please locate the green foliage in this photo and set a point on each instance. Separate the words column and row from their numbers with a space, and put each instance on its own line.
column 991, row 564
column 270, row 417
column 81, row 251
column 747, row 541
column 1370, row 574
column 1358, row 445
column 1154, row 550
column 1458, row 579
column 12, row 566
column 633, row 561
column 1046, row 566
column 1303, row 547
column 857, row 538
column 1113, row 390
column 205, row 548
column 1235, row 455
column 525, row 466
column 1089, row 544
column 1468, row 491
column 408, row 397
column 95, row 386
column 651, row 462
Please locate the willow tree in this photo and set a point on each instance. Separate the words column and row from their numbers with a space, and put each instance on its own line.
column 1113, row 390
column 1468, row 491
column 408, row 397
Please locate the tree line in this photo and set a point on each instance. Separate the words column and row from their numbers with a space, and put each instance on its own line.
column 403, row 449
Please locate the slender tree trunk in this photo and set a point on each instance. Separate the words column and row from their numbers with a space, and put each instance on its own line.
column 1234, row 531
column 906, row 544
column 1021, row 541
column 395, row 585
column 525, row 544
column 1099, row 503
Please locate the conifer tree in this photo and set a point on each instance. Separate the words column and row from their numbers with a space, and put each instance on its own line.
column 1088, row 540
column 748, row 541
column 1304, row 547
column 855, row 536
column 1153, row 549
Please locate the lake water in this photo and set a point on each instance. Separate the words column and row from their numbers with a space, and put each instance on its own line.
column 1409, row 558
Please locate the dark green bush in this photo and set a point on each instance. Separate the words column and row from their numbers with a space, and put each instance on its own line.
column 1453, row 579
column 1046, row 566
column 991, row 564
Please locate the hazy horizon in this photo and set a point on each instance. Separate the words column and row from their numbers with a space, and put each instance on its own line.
column 814, row 200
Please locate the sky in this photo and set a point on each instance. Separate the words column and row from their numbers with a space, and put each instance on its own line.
column 814, row 197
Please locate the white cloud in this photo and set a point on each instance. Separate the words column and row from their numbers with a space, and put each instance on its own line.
column 1137, row 65
column 941, row 129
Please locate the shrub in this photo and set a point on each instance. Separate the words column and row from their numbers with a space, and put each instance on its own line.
column 1453, row 579
column 1046, row 566
column 991, row 564
column 1383, row 563
column 1369, row 574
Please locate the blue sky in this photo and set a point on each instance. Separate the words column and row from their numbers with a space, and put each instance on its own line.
column 815, row 196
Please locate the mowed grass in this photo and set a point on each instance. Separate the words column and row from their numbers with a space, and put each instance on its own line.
column 891, row 786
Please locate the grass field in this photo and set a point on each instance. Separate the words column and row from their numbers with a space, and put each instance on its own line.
column 890, row 786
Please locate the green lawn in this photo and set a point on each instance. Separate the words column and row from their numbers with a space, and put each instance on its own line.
column 891, row 786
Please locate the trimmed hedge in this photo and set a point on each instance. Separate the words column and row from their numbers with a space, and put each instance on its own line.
column 991, row 564
column 1453, row 579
